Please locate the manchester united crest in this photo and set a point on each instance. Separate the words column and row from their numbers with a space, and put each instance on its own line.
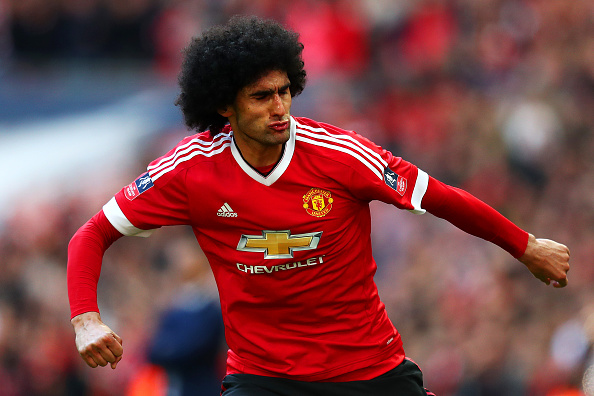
column 317, row 202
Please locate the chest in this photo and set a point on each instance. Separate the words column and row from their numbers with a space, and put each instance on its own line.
column 308, row 195
column 305, row 222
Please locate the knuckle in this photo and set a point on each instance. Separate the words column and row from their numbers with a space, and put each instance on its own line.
column 85, row 349
column 105, row 339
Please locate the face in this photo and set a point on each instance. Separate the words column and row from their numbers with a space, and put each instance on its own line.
column 260, row 118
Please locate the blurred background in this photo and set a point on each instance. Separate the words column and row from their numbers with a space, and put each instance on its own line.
column 493, row 96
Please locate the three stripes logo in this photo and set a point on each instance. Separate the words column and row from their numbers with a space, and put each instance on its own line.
column 226, row 211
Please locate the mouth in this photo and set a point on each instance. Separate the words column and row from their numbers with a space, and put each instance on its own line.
column 279, row 126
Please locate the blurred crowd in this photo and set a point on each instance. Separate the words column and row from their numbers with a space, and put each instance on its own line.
column 493, row 96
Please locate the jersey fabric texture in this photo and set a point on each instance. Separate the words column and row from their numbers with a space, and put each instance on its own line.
column 290, row 251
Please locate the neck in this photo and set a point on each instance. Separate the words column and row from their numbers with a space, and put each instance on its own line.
column 262, row 158
column 259, row 152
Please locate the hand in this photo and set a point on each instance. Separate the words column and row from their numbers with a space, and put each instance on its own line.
column 547, row 260
column 96, row 343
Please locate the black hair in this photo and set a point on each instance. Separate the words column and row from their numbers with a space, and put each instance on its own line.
column 226, row 58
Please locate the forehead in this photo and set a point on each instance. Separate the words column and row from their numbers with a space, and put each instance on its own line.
column 273, row 79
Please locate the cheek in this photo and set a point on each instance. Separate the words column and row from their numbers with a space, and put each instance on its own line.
column 287, row 103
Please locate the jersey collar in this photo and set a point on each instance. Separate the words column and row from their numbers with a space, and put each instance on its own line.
column 280, row 167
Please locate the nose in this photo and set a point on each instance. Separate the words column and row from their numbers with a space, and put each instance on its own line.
column 278, row 106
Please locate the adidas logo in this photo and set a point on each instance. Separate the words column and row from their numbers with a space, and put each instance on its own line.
column 226, row 211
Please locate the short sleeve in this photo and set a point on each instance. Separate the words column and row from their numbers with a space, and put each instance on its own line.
column 143, row 205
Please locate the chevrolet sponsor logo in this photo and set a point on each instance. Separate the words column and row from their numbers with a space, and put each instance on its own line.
column 262, row 269
column 279, row 244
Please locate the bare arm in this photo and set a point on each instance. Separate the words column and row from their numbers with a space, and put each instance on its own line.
column 547, row 260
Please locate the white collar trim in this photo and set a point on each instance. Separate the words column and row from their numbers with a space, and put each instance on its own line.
column 280, row 167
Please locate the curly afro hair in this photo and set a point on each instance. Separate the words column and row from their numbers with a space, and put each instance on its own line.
column 224, row 59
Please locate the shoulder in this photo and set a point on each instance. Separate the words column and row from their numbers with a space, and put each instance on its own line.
column 328, row 136
column 340, row 145
column 188, row 152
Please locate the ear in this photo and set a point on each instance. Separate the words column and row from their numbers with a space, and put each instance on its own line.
column 226, row 111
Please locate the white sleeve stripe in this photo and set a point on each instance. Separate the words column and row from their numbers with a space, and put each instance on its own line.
column 344, row 150
column 345, row 137
column 335, row 140
column 117, row 218
column 157, row 173
column 163, row 163
column 191, row 145
column 419, row 192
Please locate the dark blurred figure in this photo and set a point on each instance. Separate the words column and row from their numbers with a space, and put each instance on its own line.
column 34, row 28
column 131, row 29
column 189, row 336
column 45, row 31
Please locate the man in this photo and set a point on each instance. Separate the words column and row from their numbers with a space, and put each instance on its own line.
column 279, row 205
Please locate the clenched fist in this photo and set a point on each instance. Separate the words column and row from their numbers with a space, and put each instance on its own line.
column 97, row 344
column 547, row 260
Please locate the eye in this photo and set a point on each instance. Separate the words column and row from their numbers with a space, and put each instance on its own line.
column 261, row 95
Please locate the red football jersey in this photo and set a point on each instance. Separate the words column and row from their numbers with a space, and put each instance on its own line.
column 290, row 251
